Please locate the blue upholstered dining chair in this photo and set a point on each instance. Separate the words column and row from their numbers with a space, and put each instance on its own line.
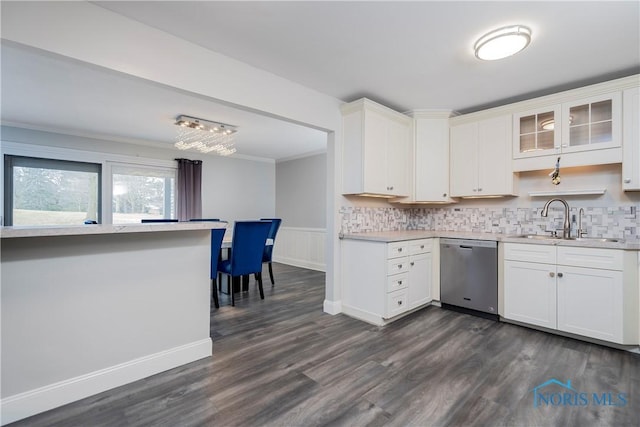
column 149, row 220
column 267, row 255
column 245, row 258
column 217, row 234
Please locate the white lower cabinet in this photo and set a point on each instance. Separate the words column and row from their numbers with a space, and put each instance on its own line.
column 383, row 280
column 585, row 291
column 590, row 303
column 530, row 293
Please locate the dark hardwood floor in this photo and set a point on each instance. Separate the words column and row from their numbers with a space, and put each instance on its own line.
column 283, row 362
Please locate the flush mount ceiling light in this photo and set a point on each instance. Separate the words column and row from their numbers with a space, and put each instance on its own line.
column 503, row 42
column 204, row 136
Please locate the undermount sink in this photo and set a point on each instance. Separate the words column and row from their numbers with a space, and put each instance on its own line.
column 597, row 239
column 538, row 237
column 583, row 239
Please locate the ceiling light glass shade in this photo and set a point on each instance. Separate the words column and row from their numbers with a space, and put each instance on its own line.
column 205, row 136
column 503, row 42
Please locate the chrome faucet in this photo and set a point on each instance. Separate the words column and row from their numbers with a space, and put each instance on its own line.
column 566, row 228
column 580, row 232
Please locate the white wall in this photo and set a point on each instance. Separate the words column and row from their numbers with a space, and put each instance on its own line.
column 301, row 202
column 301, row 189
column 232, row 189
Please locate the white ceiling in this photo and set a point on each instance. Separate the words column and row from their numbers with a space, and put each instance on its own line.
column 407, row 55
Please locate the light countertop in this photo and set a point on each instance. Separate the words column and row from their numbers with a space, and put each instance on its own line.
column 395, row 236
column 89, row 229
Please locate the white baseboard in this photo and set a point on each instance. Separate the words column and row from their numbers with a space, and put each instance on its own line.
column 332, row 307
column 296, row 262
column 23, row 405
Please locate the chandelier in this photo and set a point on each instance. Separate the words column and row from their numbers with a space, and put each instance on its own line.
column 204, row 136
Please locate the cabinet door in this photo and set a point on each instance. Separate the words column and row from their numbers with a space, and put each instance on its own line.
column 592, row 123
column 398, row 157
column 536, row 132
column 376, row 129
column 590, row 302
column 631, row 140
column 420, row 270
column 530, row 293
column 495, row 171
column 463, row 162
column 432, row 160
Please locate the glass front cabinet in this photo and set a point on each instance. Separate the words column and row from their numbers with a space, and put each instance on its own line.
column 582, row 125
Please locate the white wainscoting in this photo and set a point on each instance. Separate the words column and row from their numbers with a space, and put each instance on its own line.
column 301, row 247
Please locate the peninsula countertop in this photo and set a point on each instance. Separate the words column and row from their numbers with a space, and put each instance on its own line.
column 395, row 236
column 89, row 229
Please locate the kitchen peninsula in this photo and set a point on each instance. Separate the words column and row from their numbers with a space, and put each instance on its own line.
column 89, row 308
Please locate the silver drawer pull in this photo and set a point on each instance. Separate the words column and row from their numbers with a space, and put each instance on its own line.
column 421, row 246
column 399, row 249
column 411, row 263
column 399, row 302
column 552, row 274
column 399, row 282
column 399, row 266
column 560, row 274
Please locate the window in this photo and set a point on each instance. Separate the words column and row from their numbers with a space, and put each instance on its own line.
column 51, row 192
column 140, row 192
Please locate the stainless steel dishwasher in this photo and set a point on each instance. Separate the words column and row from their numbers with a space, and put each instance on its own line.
column 469, row 276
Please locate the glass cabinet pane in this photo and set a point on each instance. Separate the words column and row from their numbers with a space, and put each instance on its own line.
column 601, row 111
column 527, row 143
column 527, row 125
column 579, row 115
column 546, row 121
column 601, row 132
column 579, row 135
column 545, row 140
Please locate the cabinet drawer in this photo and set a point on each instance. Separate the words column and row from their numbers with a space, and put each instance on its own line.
column 396, row 303
column 420, row 246
column 530, row 253
column 397, row 249
column 397, row 282
column 607, row 259
column 397, row 265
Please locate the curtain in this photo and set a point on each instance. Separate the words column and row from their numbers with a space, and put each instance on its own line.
column 189, row 185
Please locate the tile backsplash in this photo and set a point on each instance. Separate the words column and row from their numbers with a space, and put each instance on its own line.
column 620, row 222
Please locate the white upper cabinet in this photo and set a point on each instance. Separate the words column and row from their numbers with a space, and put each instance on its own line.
column 430, row 157
column 631, row 140
column 583, row 131
column 592, row 124
column 480, row 164
column 376, row 150
column 535, row 132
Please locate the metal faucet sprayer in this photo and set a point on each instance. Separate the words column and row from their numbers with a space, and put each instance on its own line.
column 566, row 229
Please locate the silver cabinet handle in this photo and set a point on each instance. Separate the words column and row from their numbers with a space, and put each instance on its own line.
column 399, row 282
column 399, row 249
column 399, row 266
column 411, row 263
column 399, row 302
column 627, row 181
column 479, row 189
column 421, row 246
column 552, row 274
column 444, row 194
column 560, row 274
